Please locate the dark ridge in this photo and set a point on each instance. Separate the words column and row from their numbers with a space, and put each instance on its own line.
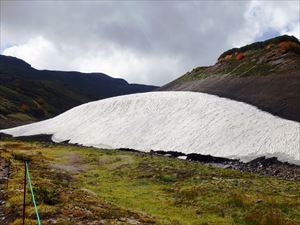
column 260, row 45
column 29, row 95
column 13, row 61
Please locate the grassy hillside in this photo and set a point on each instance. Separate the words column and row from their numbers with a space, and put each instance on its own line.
column 27, row 94
column 265, row 74
column 80, row 185
column 257, row 59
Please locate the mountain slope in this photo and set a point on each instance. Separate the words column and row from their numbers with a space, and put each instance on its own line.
column 264, row 74
column 174, row 121
column 27, row 94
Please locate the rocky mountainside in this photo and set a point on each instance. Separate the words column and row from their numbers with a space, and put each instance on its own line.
column 28, row 95
column 264, row 74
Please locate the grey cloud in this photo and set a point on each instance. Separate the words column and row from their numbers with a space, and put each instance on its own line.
column 186, row 34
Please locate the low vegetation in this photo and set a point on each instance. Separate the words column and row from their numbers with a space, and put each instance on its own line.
column 81, row 185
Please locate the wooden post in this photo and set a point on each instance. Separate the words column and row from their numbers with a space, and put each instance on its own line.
column 24, row 200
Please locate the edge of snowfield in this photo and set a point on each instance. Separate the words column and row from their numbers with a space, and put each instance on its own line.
column 186, row 122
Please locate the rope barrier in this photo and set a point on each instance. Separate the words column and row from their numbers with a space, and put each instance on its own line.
column 32, row 194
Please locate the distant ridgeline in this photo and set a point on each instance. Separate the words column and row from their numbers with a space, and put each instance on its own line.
column 285, row 43
column 28, row 94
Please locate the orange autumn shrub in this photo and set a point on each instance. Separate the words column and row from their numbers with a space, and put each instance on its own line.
column 24, row 107
column 289, row 46
column 240, row 56
column 284, row 45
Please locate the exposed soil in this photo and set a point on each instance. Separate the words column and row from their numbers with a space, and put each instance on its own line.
column 74, row 163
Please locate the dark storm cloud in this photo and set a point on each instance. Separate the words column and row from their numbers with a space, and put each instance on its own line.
column 150, row 42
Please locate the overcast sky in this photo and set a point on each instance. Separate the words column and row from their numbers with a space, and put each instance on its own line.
column 142, row 42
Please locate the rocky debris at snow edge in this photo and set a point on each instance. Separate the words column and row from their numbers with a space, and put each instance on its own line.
column 268, row 166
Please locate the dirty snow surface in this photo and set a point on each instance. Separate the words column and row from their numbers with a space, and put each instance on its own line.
column 174, row 121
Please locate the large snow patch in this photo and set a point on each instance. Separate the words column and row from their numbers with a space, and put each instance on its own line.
column 174, row 121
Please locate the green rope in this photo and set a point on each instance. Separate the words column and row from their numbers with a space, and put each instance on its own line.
column 32, row 195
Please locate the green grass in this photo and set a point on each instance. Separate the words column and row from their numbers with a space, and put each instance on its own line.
column 248, row 66
column 167, row 190
column 20, row 117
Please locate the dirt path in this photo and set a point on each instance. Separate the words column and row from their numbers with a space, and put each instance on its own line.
column 74, row 163
column 4, row 170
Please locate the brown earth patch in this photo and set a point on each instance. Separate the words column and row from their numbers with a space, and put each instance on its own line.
column 74, row 163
